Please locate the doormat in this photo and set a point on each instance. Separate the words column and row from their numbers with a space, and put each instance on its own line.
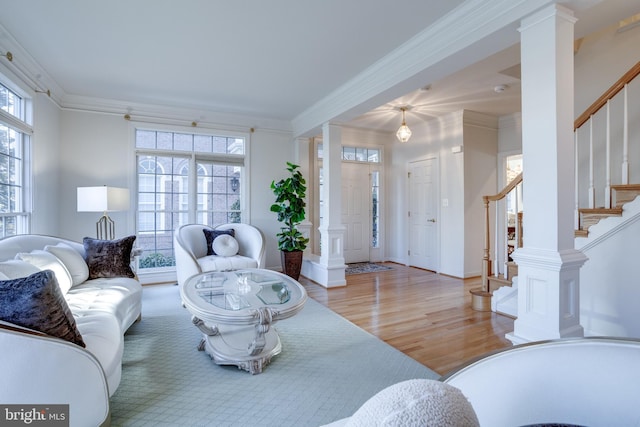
column 365, row 267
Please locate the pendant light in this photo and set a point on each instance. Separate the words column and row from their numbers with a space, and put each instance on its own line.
column 403, row 133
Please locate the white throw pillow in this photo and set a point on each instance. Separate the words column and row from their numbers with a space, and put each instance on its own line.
column 48, row 261
column 16, row 268
column 418, row 402
column 225, row 245
column 72, row 260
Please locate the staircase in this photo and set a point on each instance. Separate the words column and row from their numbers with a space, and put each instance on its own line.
column 619, row 209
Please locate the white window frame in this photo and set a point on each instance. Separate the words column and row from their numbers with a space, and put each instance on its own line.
column 22, row 123
column 192, row 157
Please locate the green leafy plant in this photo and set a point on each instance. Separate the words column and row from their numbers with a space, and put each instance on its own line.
column 289, row 206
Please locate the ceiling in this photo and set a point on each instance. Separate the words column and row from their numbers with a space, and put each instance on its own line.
column 255, row 58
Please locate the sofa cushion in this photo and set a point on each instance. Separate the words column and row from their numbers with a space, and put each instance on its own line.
column 225, row 245
column 210, row 236
column 219, row 263
column 109, row 258
column 36, row 302
column 119, row 296
column 418, row 402
column 103, row 337
column 15, row 268
column 72, row 260
column 48, row 261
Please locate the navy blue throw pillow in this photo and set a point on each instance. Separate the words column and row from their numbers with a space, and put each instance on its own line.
column 36, row 302
column 109, row 258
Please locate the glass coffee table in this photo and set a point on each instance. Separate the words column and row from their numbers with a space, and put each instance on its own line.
column 235, row 310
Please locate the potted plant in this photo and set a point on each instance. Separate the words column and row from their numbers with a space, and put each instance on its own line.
column 289, row 206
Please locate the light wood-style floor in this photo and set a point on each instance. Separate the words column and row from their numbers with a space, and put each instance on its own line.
column 425, row 315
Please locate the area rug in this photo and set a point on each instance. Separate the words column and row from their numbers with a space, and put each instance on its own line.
column 328, row 368
column 365, row 267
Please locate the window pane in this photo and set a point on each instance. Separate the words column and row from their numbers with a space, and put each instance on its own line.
column 373, row 155
column 202, row 143
column 348, row 153
column 11, row 102
column 375, row 204
column 145, row 139
column 164, row 141
column 183, row 142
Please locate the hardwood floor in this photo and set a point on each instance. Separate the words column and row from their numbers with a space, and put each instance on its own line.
column 425, row 315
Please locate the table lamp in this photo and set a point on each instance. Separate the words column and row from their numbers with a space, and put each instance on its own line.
column 103, row 199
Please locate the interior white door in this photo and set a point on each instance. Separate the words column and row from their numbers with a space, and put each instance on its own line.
column 356, row 211
column 423, row 214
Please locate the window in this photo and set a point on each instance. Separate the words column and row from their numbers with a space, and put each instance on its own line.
column 375, row 209
column 15, row 134
column 356, row 154
column 184, row 178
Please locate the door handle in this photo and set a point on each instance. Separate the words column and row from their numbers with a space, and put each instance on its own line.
column 432, row 220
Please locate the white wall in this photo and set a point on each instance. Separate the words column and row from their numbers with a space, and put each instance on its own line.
column 95, row 150
column 269, row 153
column 46, row 172
column 480, row 179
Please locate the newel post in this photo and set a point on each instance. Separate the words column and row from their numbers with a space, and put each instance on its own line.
column 486, row 261
column 481, row 298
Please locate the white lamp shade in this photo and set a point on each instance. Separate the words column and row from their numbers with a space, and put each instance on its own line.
column 103, row 199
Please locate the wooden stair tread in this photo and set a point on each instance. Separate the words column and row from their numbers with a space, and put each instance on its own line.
column 626, row 187
column 601, row 211
column 498, row 281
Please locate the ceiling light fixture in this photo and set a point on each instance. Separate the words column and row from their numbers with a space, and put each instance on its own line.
column 403, row 133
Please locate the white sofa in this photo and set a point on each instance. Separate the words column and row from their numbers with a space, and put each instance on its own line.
column 583, row 381
column 38, row 369
column 191, row 250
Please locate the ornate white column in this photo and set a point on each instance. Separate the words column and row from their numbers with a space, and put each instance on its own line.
column 548, row 264
column 331, row 264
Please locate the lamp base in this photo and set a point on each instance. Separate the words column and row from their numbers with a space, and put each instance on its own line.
column 105, row 228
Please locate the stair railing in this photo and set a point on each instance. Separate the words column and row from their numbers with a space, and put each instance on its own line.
column 592, row 116
column 486, row 258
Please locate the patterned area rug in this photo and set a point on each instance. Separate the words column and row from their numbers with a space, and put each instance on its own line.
column 327, row 369
column 365, row 267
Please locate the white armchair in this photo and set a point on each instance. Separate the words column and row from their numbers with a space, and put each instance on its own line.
column 191, row 250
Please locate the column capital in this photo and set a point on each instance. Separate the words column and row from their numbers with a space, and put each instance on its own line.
column 553, row 10
column 551, row 260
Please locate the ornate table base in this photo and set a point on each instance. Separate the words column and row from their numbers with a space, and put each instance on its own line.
column 236, row 345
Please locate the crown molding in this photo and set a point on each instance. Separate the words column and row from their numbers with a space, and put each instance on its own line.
column 26, row 69
column 474, row 118
column 173, row 114
column 473, row 22
column 510, row 121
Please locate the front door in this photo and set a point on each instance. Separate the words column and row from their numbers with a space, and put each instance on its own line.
column 356, row 211
column 423, row 214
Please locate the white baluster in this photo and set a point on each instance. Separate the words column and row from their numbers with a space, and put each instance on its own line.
column 625, row 140
column 576, row 213
column 607, row 187
column 592, row 191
